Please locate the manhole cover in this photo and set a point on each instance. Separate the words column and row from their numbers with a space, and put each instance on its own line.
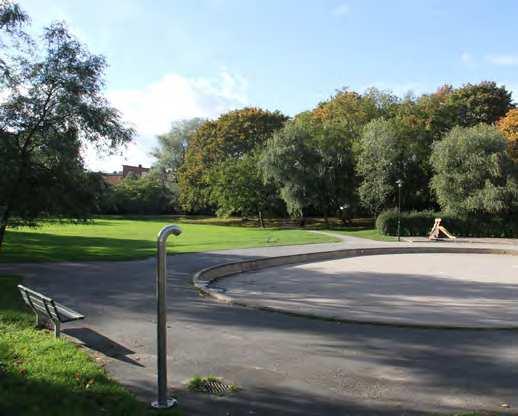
column 211, row 385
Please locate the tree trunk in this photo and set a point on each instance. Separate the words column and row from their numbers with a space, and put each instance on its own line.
column 3, row 226
column 261, row 221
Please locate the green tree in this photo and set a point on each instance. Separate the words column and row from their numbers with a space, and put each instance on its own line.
column 312, row 161
column 390, row 150
column 172, row 146
column 485, row 102
column 170, row 155
column 231, row 136
column 473, row 172
column 237, row 187
column 431, row 113
column 137, row 195
column 12, row 24
column 353, row 110
column 54, row 104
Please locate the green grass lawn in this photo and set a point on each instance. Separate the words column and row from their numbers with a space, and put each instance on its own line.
column 42, row 375
column 124, row 239
column 369, row 233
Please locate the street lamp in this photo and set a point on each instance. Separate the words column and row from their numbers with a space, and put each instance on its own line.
column 399, row 183
column 343, row 209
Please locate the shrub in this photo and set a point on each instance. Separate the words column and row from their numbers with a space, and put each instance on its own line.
column 420, row 223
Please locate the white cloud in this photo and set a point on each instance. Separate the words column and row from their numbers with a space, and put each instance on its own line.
column 503, row 59
column 152, row 109
column 174, row 97
column 466, row 58
column 342, row 10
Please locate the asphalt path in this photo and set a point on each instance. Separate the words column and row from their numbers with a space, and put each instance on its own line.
column 285, row 365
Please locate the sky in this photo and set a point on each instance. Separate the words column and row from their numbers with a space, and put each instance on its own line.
column 171, row 60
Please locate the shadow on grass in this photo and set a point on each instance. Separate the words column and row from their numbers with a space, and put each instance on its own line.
column 20, row 394
column 28, row 246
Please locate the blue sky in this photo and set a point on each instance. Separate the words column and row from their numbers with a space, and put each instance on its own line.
column 178, row 59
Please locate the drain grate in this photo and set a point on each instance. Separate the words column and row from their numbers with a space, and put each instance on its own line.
column 211, row 385
column 216, row 387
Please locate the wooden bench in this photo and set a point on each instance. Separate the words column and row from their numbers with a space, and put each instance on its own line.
column 45, row 307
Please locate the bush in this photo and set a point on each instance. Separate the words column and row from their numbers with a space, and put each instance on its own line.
column 420, row 224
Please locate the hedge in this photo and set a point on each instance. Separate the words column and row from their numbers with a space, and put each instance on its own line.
column 420, row 223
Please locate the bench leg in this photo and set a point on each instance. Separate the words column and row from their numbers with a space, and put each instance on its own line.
column 39, row 324
column 57, row 328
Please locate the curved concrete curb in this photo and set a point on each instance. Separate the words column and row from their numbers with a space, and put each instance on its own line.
column 205, row 277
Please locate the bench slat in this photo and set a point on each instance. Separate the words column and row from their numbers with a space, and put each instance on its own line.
column 42, row 305
column 67, row 314
column 47, row 306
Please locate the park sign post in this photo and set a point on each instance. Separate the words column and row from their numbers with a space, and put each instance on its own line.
column 163, row 401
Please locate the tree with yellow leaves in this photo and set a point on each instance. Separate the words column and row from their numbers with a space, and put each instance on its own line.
column 508, row 126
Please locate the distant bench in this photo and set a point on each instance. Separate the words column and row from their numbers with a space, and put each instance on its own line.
column 45, row 307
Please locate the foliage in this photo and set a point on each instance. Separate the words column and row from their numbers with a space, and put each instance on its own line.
column 431, row 113
column 354, row 109
column 508, row 126
column 123, row 239
column 53, row 104
column 391, row 151
column 312, row 162
column 231, row 136
column 419, row 223
column 170, row 153
column 12, row 35
column 473, row 172
column 480, row 103
column 48, row 376
column 237, row 187
column 134, row 195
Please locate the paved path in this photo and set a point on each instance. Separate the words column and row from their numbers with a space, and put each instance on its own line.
column 429, row 289
column 286, row 365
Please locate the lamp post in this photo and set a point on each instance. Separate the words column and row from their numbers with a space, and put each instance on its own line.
column 399, row 183
column 163, row 401
column 343, row 209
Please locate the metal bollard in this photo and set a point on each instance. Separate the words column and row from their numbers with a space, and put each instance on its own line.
column 163, row 401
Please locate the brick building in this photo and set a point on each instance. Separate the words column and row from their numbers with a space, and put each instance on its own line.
column 115, row 177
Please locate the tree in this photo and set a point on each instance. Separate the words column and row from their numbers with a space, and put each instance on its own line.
column 231, row 136
column 479, row 103
column 12, row 22
column 390, row 150
column 137, row 195
column 431, row 113
column 508, row 126
column 473, row 172
column 353, row 110
column 54, row 104
column 170, row 155
column 172, row 146
column 312, row 162
column 237, row 187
